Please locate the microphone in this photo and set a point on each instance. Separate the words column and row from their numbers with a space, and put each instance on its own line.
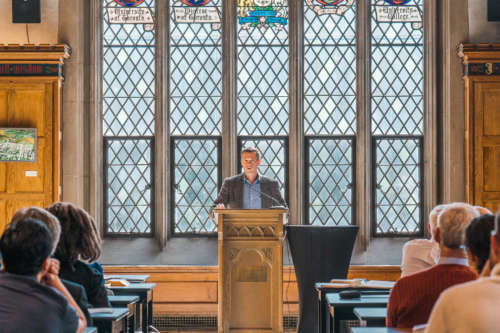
column 279, row 204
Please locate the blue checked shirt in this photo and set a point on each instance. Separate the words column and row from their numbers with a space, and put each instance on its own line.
column 252, row 198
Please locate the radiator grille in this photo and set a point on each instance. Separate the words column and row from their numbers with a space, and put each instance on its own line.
column 167, row 321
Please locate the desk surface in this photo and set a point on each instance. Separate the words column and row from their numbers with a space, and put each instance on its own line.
column 335, row 286
column 123, row 299
column 379, row 330
column 365, row 300
column 91, row 330
column 370, row 313
column 136, row 287
column 136, row 278
column 116, row 314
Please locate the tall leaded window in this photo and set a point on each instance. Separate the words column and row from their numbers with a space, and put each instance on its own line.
column 397, row 114
column 360, row 128
column 330, row 110
column 263, row 85
column 195, row 110
column 332, row 41
column 128, row 118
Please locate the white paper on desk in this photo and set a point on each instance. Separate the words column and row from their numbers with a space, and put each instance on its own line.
column 378, row 284
column 100, row 310
column 348, row 282
column 360, row 283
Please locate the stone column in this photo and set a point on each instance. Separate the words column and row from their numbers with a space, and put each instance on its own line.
column 454, row 30
column 73, row 30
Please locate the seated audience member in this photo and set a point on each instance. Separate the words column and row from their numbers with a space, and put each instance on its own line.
column 51, row 222
column 413, row 296
column 79, row 241
column 33, row 298
column 477, row 241
column 419, row 254
column 473, row 306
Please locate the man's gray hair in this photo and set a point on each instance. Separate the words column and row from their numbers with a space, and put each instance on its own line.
column 43, row 216
column 453, row 221
column 433, row 218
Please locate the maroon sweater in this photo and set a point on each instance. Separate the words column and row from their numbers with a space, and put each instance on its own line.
column 413, row 296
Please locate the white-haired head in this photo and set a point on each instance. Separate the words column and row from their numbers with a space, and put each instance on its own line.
column 483, row 210
column 452, row 222
column 433, row 219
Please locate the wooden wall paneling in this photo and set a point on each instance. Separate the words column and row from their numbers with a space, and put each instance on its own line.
column 486, row 142
column 3, row 215
column 191, row 290
column 482, row 123
column 30, row 85
column 4, row 111
column 56, row 130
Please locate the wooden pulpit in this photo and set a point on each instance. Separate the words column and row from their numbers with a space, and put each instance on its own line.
column 250, row 288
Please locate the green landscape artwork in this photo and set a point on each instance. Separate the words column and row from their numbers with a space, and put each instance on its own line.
column 18, row 144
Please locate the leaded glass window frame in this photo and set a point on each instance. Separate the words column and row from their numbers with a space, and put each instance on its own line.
column 146, row 188
column 174, row 229
column 376, row 228
column 352, row 186
column 297, row 173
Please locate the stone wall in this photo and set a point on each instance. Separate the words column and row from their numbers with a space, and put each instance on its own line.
column 44, row 32
column 480, row 30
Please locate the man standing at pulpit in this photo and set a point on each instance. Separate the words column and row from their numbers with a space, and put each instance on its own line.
column 249, row 190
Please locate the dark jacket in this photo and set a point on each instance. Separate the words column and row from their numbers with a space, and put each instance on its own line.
column 29, row 306
column 231, row 192
column 80, row 296
column 91, row 280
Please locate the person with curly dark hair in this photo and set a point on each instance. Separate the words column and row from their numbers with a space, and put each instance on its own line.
column 79, row 243
column 477, row 241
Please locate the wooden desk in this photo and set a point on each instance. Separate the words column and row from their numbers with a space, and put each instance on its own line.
column 372, row 316
column 129, row 277
column 111, row 322
column 130, row 302
column 379, row 330
column 322, row 289
column 342, row 309
column 90, row 330
column 145, row 293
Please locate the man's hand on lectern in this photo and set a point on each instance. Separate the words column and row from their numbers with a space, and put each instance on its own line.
column 220, row 206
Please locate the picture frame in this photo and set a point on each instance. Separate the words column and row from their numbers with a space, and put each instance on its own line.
column 18, row 144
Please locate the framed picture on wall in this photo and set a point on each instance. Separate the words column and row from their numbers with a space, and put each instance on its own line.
column 18, row 144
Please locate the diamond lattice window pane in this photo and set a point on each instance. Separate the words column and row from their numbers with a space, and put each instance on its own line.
column 128, row 72
column 398, row 186
column 397, row 65
column 263, row 93
column 329, row 71
column 128, row 187
column 330, row 181
column 195, row 74
column 274, row 157
column 195, row 178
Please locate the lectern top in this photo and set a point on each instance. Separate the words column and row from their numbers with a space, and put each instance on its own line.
column 244, row 211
